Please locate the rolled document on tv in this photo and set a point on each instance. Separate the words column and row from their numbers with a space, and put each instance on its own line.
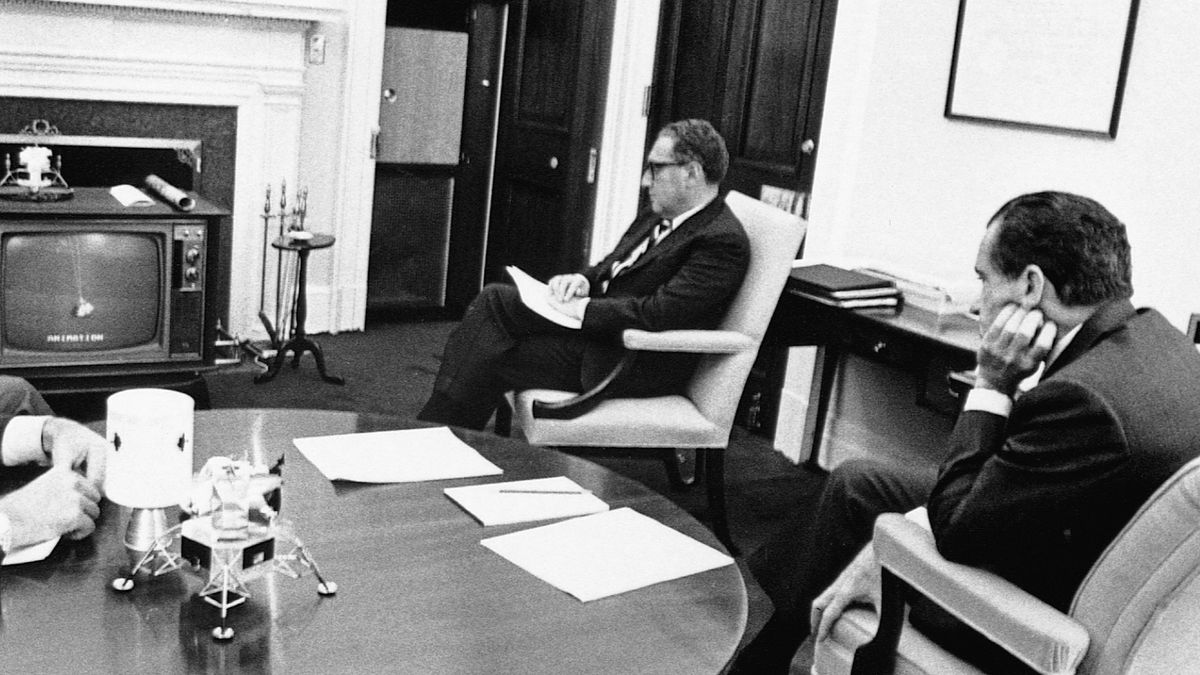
column 170, row 194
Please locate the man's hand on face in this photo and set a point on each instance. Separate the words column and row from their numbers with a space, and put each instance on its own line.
column 1013, row 347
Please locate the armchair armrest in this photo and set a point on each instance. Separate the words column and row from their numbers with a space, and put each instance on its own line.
column 1033, row 631
column 636, row 340
column 690, row 341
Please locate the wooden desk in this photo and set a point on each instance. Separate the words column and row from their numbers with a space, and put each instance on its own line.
column 928, row 346
column 417, row 592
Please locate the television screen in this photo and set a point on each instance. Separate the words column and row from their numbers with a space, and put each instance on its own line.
column 79, row 291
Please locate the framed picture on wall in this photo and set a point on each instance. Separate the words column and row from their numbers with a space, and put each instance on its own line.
column 1050, row 64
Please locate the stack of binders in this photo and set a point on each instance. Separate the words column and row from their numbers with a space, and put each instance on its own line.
column 843, row 288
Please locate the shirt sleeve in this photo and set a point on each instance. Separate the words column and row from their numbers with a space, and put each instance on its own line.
column 988, row 400
column 22, row 441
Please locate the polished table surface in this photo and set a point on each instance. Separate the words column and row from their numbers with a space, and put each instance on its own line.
column 417, row 592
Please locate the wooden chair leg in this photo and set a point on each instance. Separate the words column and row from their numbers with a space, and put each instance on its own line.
column 713, row 463
column 678, row 475
column 878, row 657
column 504, row 415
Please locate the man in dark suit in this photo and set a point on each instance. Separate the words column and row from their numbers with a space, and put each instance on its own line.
column 1037, row 481
column 62, row 500
column 678, row 266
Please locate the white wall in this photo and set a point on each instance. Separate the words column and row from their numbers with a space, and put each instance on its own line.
column 631, row 71
column 898, row 182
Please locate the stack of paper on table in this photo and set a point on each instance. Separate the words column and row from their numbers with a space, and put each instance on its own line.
column 523, row 501
column 395, row 456
column 606, row 553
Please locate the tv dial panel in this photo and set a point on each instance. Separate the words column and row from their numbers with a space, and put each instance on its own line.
column 189, row 245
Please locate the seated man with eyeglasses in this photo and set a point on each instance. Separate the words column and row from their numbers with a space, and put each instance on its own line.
column 678, row 266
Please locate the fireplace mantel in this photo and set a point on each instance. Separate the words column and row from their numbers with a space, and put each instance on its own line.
column 296, row 10
column 306, row 123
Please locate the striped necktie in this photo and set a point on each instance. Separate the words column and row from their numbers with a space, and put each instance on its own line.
column 661, row 229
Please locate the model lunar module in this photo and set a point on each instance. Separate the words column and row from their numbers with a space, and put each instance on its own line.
column 37, row 175
column 230, row 530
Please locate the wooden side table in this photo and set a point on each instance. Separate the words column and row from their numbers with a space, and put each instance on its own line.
column 300, row 342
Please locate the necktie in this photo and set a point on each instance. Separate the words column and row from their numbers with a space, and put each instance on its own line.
column 661, row 229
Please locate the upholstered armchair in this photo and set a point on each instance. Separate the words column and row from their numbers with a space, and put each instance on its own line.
column 702, row 417
column 1137, row 611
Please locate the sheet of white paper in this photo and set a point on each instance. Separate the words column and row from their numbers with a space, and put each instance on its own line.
column 404, row 456
column 522, row 501
column 607, row 553
column 536, row 296
column 31, row 553
column 130, row 196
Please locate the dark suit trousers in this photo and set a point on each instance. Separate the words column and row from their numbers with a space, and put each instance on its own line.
column 500, row 345
column 809, row 552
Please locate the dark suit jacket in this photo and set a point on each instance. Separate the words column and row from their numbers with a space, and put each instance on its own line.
column 685, row 281
column 1037, row 497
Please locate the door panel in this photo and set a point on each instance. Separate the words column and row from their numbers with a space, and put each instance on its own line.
column 421, row 109
column 771, row 120
column 756, row 69
column 551, row 104
column 770, row 81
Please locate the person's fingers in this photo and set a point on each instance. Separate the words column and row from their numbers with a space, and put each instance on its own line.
column 89, row 508
column 1012, row 326
column 1029, row 325
column 994, row 331
column 90, row 487
column 830, row 613
column 814, row 615
column 1045, row 339
column 96, row 457
column 81, row 527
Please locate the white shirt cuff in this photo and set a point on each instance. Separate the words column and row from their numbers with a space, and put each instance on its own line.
column 22, row 442
column 988, row 400
column 920, row 516
column 6, row 534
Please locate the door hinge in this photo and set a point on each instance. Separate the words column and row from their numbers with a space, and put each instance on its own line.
column 646, row 101
column 374, row 143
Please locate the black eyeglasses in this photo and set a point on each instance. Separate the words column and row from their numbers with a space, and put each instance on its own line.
column 653, row 167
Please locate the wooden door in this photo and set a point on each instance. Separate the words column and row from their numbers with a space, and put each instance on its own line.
column 548, row 141
column 756, row 69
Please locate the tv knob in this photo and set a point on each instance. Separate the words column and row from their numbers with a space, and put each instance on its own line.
column 192, row 255
column 191, row 275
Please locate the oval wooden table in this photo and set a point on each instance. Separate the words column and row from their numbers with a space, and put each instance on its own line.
column 417, row 592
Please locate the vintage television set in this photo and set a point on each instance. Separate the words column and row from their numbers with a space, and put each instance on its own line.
column 94, row 292
column 95, row 295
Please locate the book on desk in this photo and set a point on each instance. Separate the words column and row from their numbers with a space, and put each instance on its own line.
column 839, row 287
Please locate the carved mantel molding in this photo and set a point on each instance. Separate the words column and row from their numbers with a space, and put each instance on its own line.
column 288, row 10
